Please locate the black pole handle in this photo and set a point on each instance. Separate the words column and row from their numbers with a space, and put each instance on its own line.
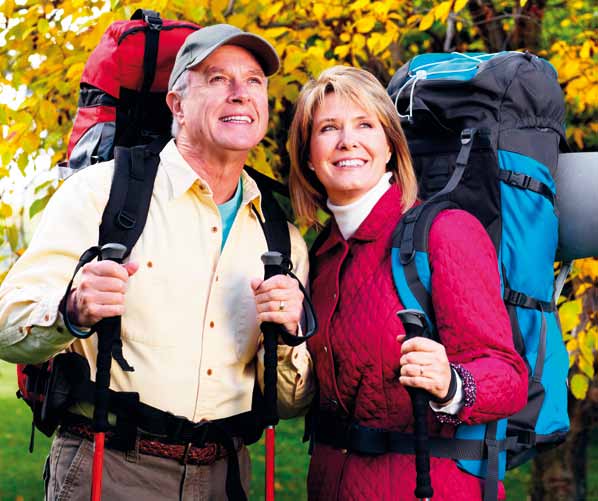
column 414, row 322
column 273, row 265
column 108, row 330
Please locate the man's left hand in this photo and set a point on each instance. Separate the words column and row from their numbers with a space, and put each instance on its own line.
column 278, row 300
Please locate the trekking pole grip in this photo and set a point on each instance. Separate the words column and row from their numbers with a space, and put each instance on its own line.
column 108, row 329
column 414, row 322
column 273, row 265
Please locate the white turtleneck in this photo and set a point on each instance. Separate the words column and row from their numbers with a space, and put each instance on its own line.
column 349, row 217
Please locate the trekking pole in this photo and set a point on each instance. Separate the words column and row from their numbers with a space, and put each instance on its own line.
column 414, row 322
column 273, row 262
column 108, row 329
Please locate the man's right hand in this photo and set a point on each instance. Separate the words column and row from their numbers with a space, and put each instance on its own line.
column 101, row 292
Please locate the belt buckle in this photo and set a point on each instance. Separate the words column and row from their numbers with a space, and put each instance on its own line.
column 198, row 438
column 200, row 433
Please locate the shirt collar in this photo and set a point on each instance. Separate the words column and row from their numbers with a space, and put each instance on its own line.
column 181, row 177
column 180, row 174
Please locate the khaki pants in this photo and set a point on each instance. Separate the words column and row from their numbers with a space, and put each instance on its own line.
column 125, row 477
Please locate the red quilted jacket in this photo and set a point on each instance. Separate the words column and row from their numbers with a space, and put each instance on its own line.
column 357, row 356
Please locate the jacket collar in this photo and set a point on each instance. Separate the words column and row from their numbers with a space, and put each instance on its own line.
column 385, row 213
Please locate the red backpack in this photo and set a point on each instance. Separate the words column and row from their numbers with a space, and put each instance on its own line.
column 121, row 103
column 124, row 85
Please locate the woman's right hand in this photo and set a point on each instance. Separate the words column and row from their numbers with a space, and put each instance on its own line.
column 424, row 365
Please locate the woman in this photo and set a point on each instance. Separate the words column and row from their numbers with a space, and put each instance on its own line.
column 350, row 158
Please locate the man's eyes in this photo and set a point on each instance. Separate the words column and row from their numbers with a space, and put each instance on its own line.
column 217, row 79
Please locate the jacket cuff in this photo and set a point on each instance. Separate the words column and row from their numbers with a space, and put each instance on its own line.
column 469, row 398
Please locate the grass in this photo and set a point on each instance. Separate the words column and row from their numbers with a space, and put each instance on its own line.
column 21, row 472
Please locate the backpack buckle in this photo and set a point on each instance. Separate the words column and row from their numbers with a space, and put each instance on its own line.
column 515, row 298
column 154, row 22
column 518, row 179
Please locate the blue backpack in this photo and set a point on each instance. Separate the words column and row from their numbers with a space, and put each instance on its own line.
column 485, row 131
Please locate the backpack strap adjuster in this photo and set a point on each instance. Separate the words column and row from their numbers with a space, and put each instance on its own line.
column 526, row 437
column 467, row 135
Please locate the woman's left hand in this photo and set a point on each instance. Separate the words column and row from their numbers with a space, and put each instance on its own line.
column 278, row 300
column 424, row 365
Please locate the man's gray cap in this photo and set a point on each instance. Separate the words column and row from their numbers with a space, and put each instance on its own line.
column 201, row 43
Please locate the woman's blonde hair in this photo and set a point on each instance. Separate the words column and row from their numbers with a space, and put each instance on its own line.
column 362, row 88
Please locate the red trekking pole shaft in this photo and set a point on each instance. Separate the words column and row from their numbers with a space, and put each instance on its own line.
column 272, row 266
column 108, row 329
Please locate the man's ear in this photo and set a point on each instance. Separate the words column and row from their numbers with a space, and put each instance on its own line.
column 174, row 102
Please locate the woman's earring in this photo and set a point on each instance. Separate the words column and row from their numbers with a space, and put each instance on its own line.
column 310, row 166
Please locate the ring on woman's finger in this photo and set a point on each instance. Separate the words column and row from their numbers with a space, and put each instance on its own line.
column 281, row 306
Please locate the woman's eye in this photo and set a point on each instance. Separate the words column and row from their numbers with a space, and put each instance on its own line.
column 327, row 128
column 366, row 125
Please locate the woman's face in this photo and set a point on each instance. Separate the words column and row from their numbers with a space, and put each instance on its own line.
column 348, row 149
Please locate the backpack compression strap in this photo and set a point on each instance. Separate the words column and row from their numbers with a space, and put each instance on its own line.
column 152, row 40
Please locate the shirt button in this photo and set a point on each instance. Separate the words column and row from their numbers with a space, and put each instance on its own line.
column 326, row 349
column 211, row 324
column 209, row 372
column 334, row 296
column 214, row 229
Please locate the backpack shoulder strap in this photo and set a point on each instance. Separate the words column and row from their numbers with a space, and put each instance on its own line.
column 411, row 272
column 275, row 224
column 126, row 212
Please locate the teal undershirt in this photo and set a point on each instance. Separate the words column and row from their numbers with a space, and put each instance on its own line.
column 228, row 211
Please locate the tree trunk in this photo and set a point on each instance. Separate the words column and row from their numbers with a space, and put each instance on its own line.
column 528, row 27
column 485, row 18
column 560, row 474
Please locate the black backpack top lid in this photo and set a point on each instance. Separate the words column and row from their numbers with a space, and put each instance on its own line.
column 502, row 92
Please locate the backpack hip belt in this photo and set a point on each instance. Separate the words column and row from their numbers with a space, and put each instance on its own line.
column 347, row 434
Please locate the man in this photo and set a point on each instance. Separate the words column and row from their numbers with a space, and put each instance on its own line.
column 190, row 296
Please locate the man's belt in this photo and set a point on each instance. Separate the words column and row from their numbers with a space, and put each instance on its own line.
column 349, row 435
column 189, row 453
column 177, row 438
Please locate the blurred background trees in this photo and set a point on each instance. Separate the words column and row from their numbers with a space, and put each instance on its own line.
column 44, row 46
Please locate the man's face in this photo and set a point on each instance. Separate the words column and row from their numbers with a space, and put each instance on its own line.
column 226, row 104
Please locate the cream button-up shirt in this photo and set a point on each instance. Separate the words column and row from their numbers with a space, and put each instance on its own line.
column 190, row 328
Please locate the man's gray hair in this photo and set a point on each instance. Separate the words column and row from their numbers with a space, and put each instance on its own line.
column 180, row 87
